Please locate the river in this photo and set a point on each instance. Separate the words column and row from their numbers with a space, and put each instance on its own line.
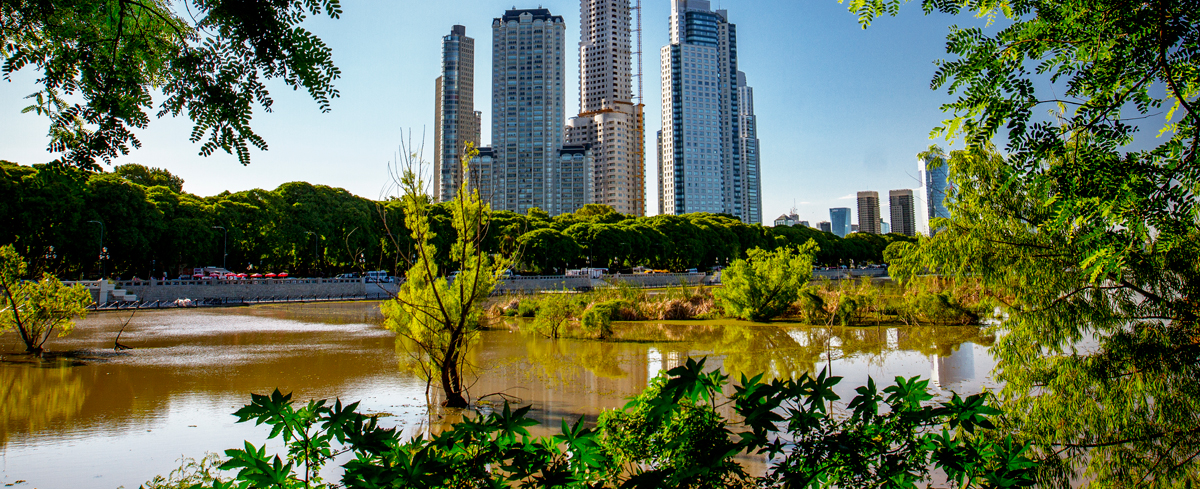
column 100, row 418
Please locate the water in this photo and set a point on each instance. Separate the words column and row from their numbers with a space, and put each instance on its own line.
column 99, row 418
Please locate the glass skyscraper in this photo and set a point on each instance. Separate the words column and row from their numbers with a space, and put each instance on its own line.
column 456, row 122
column 701, row 166
column 839, row 218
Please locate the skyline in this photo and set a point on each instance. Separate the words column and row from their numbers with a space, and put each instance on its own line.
column 839, row 111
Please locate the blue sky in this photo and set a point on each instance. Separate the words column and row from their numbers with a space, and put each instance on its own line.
column 840, row 109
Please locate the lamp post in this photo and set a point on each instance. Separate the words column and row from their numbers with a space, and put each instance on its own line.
column 103, row 250
column 224, row 245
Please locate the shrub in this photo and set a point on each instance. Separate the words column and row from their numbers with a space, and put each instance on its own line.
column 673, row 435
column 766, row 283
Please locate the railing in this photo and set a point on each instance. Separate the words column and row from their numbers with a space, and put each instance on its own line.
column 241, row 281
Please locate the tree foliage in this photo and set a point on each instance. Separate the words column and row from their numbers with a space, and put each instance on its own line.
column 100, row 62
column 36, row 309
column 1089, row 217
column 766, row 283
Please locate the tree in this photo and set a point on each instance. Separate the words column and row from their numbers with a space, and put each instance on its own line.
column 1085, row 220
column 547, row 249
column 36, row 309
column 149, row 177
column 102, row 60
column 766, row 283
column 437, row 318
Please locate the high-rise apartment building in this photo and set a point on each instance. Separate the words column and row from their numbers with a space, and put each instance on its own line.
column 609, row 121
column 901, row 208
column 825, row 226
column 934, row 174
column 701, row 155
column 456, row 121
column 747, row 194
column 840, row 219
column 528, row 68
column 868, row 213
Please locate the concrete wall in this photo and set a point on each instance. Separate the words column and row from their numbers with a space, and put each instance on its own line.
column 170, row 290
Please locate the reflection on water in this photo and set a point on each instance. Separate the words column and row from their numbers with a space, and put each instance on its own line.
column 121, row 418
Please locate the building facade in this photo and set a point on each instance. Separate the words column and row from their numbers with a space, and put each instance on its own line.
column 825, row 226
column 456, row 121
column 868, row 213
column 787, row 220
column 934, row 174
column 747, row 193
column 701, row 168
column 839, row 217
column 609, row 122
column 901, row 206
column 528, row 108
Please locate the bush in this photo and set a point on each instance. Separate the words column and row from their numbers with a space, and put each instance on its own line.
column 673, row 435
column 554, row 311
column 597, row 319
column 766, row 283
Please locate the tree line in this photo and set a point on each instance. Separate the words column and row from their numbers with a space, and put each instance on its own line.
column 54, row 216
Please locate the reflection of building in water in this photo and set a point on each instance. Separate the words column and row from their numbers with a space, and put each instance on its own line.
column 955, row 368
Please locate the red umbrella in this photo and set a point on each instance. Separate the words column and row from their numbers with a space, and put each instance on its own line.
column 242, row 275
column 256, row 275
column 270, row 275
column 283, row 275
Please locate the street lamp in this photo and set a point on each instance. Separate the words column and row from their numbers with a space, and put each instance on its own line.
column 103, row 250
column 224, row 246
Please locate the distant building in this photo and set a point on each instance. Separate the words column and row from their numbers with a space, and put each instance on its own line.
column 825, row 226
column 885, row 228
column 481, row 171
column 901, row 207
column 528, row 58
column 805, row 224
column 854, row 228
column 868, row 213
column 576, row 178
column 787, row 220
column 934, row 174
column 456, row 122
column 840, row 221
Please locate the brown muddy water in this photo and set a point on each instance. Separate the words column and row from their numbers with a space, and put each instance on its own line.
column 105, row 419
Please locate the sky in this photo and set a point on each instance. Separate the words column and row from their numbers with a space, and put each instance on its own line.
column 840, row 109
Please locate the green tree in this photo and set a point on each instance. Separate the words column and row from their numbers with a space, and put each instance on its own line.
column 36, row 309
column 1089, row 219
column 149, row 177
column 101, row 62
column 436, row 318
column 545, row 250
column 766, row 283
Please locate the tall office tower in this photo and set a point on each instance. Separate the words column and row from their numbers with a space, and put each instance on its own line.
column 702, row 166
column 609, row 122
column 749, row 195
column 934, row 174
column 901, row 208
column 659, row 157
column 868, row 213
column 840, row 217
column 456, row 121
column 482, row 173
column 825, row 226
column 527, row 109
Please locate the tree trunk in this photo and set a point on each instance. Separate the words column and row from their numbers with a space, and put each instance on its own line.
column 451, row 379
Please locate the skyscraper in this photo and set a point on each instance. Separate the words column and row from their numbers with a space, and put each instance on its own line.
column 825, row 226
column 609, row 122
column 748, row 188
column 701, row 156
column 839, row 218
column 528, row 110
column 868, row 213
column 456, row 121
column 934, row 174
column 900, row 206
